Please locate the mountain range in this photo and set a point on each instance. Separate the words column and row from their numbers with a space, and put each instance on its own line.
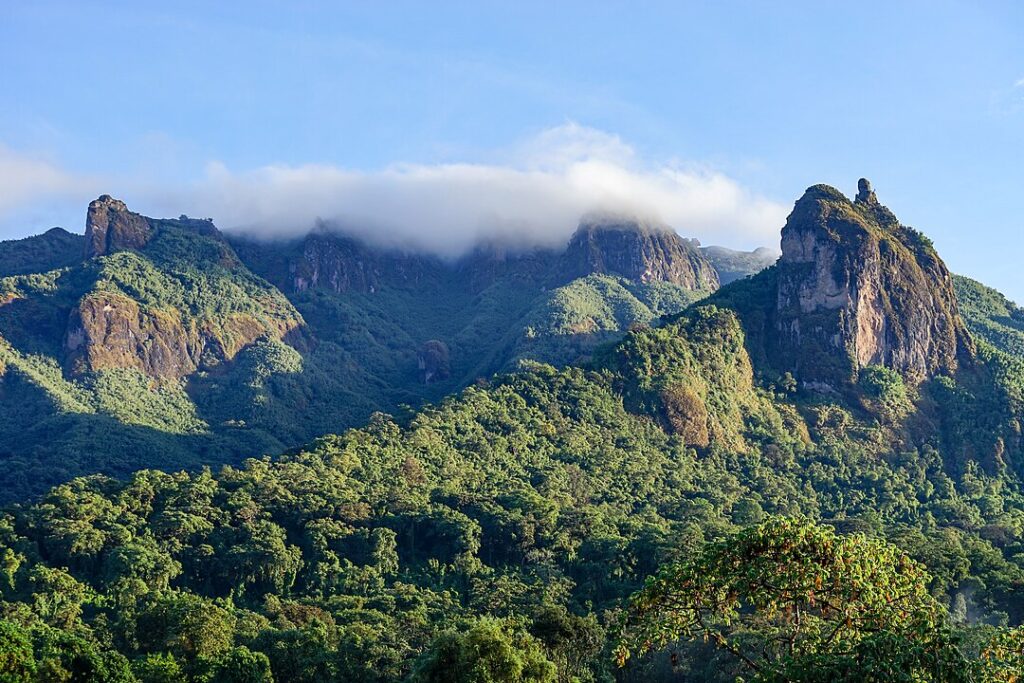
column 477, row 462
column 165, row 336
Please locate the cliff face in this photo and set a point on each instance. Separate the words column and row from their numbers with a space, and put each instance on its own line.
column 856, row 288
column 617, row 246
column 638, row 251
column 110, row 226
column 341, row 264
column 107, row 330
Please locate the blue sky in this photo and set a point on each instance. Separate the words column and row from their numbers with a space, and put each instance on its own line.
column 716, row 115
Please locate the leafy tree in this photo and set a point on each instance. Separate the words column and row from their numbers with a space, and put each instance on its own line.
column 158, row 668
column 239, row 665
column 17, row 659
column 1003, row 658
column 490, row 651
column 791, row 599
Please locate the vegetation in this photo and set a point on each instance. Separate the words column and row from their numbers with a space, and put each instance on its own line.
column 990, row 315
column 54, row 249
column 501, row 533
column 795, row 602
column 505, row 533
column 317, row 364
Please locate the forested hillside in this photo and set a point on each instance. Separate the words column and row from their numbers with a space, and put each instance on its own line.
column 499, row 534
column 160, row 343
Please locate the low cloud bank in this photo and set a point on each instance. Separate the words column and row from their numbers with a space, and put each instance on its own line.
column 534, row 195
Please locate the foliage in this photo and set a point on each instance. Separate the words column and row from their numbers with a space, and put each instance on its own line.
column 498, row 530
column 487, row 652
column 793, row 601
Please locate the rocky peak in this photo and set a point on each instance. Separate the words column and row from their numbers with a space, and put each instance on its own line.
column 865, row 195
column 856, row 288
column 110, row 227
column 638, row 250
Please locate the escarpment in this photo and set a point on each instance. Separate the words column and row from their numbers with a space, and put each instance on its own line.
column 638, row 251
column 856, row 288
column 110, row 226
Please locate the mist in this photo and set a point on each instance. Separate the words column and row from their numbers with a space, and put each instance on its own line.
column 531, row 195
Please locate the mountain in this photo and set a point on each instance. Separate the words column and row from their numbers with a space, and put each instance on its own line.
column 175, row 345
column 733, row 265
column 636, row 251
column 510, row 522
column 854, row 288
column 56, row 248
column 990, row 316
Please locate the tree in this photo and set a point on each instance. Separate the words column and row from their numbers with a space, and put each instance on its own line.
column 158, row 668
column 491, row 651
column 240, row 665
column 1002, row 661
column 795, row 602
column 17, row 661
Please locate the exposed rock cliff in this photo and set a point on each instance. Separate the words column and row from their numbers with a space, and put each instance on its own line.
column 110, row 226
column 636, row 250
column 342, row 264
column 107, row 330
column 617, row 246
column 856, row 288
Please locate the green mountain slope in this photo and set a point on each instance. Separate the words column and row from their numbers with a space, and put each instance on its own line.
column 157, row 344
column 991, row 316
column 524, row 512
column 56, row 248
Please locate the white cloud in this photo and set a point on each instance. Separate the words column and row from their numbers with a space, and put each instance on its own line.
column 536, row 197
column 534, row 194
column 25, row 179
column 1019, row 83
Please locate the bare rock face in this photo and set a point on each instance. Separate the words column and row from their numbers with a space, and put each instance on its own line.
column 110, row 227
column 342, row 264
column 856, row 288
column 108, row 330
column 638, row 251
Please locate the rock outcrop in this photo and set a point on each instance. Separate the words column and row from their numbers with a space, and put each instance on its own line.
column 342, row 264
column 618, row 246
column 110, row 227
column 611, row 245
column 434, row 361
column 107, row 330
column 856, row 288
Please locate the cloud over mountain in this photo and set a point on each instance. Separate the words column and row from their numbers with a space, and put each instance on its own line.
column 532, row 194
